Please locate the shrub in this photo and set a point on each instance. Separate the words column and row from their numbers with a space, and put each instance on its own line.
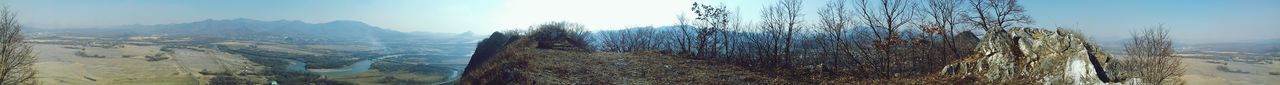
column 82, row 54
column 228, row 80
column 1150, row 58
column 561, row 36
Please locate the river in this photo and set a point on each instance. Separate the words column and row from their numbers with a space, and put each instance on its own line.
column 355, row 68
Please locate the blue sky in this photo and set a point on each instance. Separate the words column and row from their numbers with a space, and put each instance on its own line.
column 1192, row 21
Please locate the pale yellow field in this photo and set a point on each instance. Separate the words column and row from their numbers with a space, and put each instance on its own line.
column 59, row 66
column 1199, row 72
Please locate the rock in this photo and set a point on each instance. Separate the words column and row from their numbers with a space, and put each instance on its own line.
column 488, row 48
column 1045, row 56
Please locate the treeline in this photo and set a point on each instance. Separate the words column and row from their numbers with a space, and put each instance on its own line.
column 880, row 38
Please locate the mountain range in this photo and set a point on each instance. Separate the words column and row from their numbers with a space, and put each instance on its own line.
column 242, row 28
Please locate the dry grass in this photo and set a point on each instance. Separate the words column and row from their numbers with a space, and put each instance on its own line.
column 535, row 66
column 528, row 65
column 59, row 66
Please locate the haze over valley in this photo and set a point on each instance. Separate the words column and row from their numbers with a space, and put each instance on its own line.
column 255, row 50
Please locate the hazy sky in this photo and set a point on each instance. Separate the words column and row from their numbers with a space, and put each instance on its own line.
column 1190, row 21
column 1193, row 21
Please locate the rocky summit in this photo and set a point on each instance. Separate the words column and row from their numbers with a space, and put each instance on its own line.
column 1058, row 56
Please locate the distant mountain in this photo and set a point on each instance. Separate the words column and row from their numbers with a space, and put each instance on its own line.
column 1272, row 41
column 466, row 34
column 291, row 30
column 447, row 37
column 1247, row 47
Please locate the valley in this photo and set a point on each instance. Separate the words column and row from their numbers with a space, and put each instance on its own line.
column 70, row 57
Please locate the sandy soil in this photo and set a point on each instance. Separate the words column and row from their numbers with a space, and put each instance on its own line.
column 59, row 66
column 1200, row 72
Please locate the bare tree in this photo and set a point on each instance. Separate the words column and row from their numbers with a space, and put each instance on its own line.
column 1151, row 57
column 888, row 15
column 940, row 19
column 730, row 36
column 781, row 23
column 835, row 21
column 713, row 20
column 15, row 56
column 995, row 14
column 885, row 18
column 685, row 37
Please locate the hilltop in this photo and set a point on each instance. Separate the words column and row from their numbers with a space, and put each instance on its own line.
column 1012, row 56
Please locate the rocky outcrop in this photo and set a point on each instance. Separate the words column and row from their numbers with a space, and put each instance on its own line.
column 507, row 58
column 1034, row 55
column 487, row 48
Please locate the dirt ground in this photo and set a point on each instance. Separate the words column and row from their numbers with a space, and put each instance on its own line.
column 1200, row 72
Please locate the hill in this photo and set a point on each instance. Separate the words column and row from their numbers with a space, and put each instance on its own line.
column 549, row 56
column 1013, row 56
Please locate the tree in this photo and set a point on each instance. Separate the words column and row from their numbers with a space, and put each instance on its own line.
column 685, row 36
column 729, row 37
column 889, row 15
column 835, row 20
column 781, row 23
column 940, row 19
column 886, row 16
column 15, row 56
column 995, row 14
column 1152, row 57
column 713, row 20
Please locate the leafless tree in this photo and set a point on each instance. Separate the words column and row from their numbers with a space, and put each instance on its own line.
column 729, row 36
column 1151, row 57
column 940, row 19
column 782, row 22
column 685, row 37
column 888, row 15
column 835, row 21
column 885, row 18
column 15, row 56
column 713, row 20
column 995, row 14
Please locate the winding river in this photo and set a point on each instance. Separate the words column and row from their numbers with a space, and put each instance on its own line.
column 355, row 68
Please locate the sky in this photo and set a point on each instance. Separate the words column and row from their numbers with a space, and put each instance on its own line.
column 1190, row 21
